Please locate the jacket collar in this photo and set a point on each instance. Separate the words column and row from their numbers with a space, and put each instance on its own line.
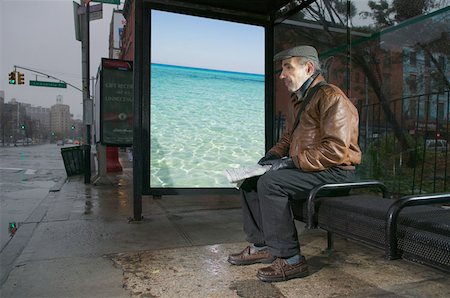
column 311, row 81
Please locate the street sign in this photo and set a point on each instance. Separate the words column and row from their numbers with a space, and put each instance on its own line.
column 95, row 11
column 96, row 15
column 92, row 8
column 76, row 19
column 117, row 2
column 48, row 84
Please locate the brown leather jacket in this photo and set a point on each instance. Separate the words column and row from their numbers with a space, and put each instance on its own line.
column 327, row 134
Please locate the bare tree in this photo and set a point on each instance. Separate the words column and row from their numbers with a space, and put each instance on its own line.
column 353, row 51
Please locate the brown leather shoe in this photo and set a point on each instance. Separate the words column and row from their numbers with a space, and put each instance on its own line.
column 280, row 270
column 251, row 256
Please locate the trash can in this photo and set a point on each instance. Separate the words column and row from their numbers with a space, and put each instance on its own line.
column 73, row 158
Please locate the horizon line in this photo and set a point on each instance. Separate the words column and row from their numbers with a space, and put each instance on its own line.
column 203, row 68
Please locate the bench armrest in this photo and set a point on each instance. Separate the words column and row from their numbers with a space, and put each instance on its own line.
column 394, row 211
column 335, row 186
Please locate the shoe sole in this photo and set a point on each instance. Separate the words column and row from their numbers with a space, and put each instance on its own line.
column 251, row 262
column 281, row 278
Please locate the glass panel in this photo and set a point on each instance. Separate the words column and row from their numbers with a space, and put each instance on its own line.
column 207, row 99
column 392, row 59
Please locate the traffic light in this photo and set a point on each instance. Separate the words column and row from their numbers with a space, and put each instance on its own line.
column 73, row 127
column 22, row 126
column 12, row 77
column 20, row 78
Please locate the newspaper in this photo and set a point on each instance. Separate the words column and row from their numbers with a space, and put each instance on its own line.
column 238, row 175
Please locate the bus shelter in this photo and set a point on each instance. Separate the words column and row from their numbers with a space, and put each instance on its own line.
column 392, row 64
column 264, row 14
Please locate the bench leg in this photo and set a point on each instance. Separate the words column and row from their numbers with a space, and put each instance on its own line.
column 330, row 240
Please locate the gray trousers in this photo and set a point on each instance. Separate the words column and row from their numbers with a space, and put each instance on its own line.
column 268, row 218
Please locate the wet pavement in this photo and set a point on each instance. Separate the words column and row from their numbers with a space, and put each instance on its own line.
column 78, row 242
column 27, row 174
column 202, row 271
column 30, row 167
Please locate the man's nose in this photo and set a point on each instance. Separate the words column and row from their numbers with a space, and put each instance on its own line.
column 282, row 75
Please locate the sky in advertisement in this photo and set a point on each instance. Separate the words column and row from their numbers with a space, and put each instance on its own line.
column 206, row 43
column 40, row 35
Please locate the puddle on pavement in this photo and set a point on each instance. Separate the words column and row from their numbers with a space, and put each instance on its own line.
column 88, row 207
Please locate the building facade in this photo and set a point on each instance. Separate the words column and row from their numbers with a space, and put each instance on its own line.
column 39, row 118
column 60, row 119
column 40, row 114
column 15, row 125
column 127, row 45
column 115, row 34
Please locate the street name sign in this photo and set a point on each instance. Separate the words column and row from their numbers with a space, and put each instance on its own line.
column 96, row 15
column 48, row 84
column 95, row 11
column 117, row 2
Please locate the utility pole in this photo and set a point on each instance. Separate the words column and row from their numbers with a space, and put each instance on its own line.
column 86, row 91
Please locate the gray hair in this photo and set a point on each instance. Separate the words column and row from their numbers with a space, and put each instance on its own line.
column 316, row 63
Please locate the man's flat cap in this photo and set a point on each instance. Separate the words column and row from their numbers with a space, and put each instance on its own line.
column 300, row 51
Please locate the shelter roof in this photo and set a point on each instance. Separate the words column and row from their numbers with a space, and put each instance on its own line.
column 258, row 10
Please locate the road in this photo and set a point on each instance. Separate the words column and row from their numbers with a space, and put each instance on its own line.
column 27, row 174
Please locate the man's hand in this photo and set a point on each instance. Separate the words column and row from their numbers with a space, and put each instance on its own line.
column 269, row 156
column 280, row 163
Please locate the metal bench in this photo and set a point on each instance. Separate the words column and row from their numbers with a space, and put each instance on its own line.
column 410, row 227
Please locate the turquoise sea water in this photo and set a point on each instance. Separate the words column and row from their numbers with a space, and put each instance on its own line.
column 203, row 122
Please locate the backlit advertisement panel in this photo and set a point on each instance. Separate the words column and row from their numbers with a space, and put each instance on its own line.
column 207, row 90
column 116, row 102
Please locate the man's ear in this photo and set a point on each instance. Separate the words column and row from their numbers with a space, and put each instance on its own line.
column 310, row 68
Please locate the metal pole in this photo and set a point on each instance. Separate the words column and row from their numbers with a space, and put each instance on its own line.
column 47, row 75
column 137, row 109
column 86, row 93
column 349, row 50
column 366, row 97
column 93, row 87
column 269, row 96
column 18, row 116
column 92, row 100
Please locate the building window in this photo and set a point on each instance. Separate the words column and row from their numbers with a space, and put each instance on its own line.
column 387, row 58
column 442, row 63
column 413, row 84
column 357, row 77
column 387, row 84
column 427, row 83
column 427, row 114
column 413, row 58
column 441, row 82
column 413, row 107
column 427, row 60
column 441, row 111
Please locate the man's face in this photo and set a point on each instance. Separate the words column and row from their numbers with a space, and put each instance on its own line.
column 295, row 73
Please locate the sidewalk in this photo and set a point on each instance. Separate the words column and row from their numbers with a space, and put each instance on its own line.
column 79, row 243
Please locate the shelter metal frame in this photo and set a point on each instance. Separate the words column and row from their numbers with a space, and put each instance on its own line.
column 264, row 13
